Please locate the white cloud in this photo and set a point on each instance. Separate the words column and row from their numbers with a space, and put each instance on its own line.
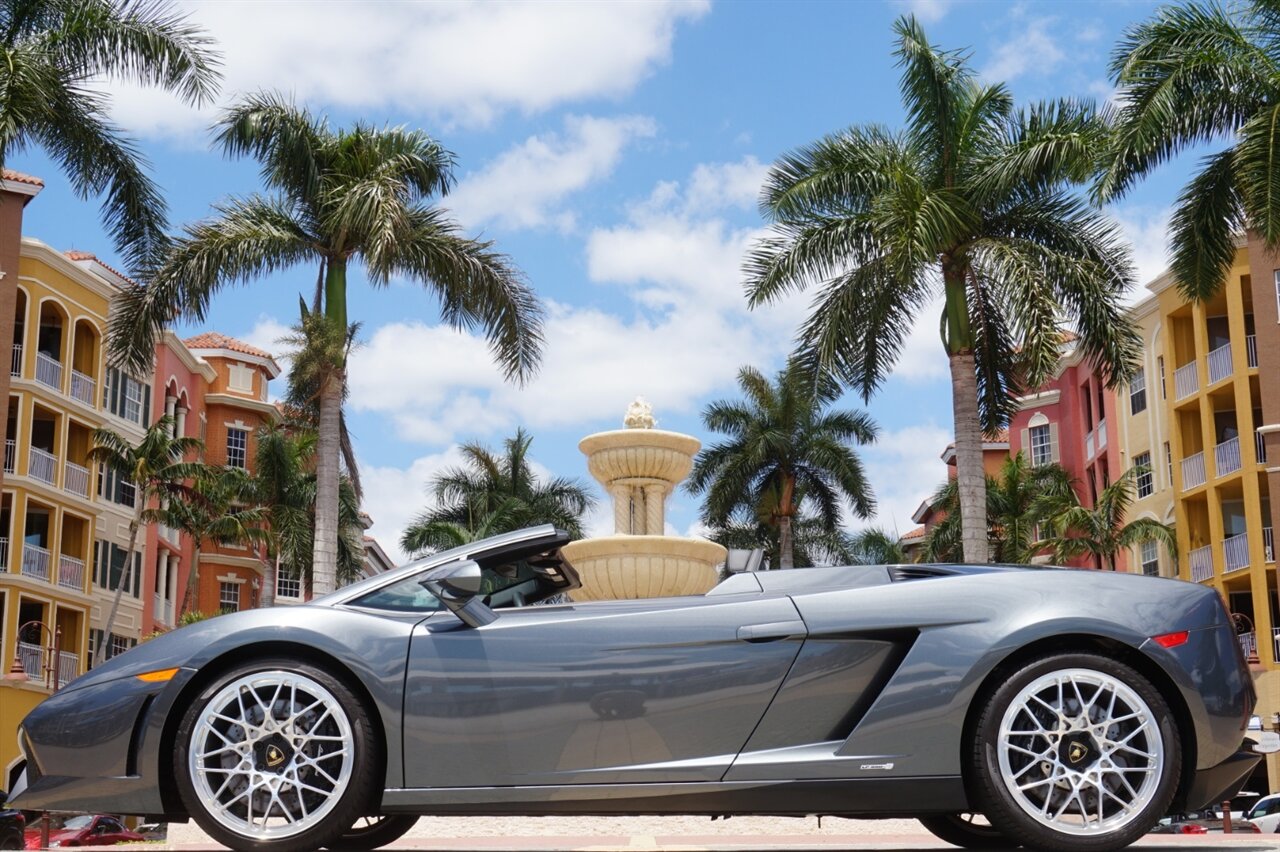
column 393, row 496
column 522, row 187
column 928, row 11
column 463, row 62
column 1147, row 229
column 904, row 467
column 1030, row 47
column 923, row 357
column 266, row 334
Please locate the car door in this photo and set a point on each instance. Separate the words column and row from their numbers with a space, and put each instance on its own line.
column 665, row 689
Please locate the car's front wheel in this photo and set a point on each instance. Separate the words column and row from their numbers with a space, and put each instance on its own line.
column 1075, row 752
column 374, row 832
column 276, row 755
column 970, row 831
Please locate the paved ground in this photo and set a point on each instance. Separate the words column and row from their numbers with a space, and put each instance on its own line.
column 687, row 834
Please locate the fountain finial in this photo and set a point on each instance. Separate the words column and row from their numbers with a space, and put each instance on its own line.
column 639, row 415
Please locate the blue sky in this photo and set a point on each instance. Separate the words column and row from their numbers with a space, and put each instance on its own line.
column 614, row 151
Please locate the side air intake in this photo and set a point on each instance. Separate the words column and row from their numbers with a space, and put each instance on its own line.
column 902, row 573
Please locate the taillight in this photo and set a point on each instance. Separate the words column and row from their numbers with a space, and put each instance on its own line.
column 1172, row 640
column 1192, row 828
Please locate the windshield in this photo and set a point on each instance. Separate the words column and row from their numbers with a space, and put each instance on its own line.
column 507, row 581
column 77, row 823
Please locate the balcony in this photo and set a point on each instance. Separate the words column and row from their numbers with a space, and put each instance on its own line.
column 1201, row 564
column 68, row 667
column 71, row 573
column 48, row 371
column 42, row 465
column 82, row 387
column 1220, row 363
column 10, row 455
column 35, row 562
column 1251, row 350
column 1275, row 631
column 1101, row 432
column 1235, row 552
column 1186, row 381
column 1248, row 644
column 1088, row 446
column 75, row 479
column 1193, row 471
column 1226, row 457
column 4, row 553
column 1268, row 548
column 15, row 368
column 1260, row 445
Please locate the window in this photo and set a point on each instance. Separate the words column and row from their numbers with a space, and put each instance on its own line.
column 117, row 646
column 132, row 401
column 1138, row 393
column 229, row 597
column 126, row 397
column 1151, row 559
column 237, row 442
column 288, row 587
column 1168, row 460
column 240, row 378
column 116, row 488
column 108, row 566
column 1041, row 445
column 1160, row 363
column 1146, row 485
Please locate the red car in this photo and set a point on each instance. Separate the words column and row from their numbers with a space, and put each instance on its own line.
column 86, row 830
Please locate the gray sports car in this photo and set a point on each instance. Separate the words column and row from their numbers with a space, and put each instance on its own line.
column 1070, row 709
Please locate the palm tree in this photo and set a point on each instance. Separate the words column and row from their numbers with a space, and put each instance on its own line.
column 156, row 468
column 1101, row 532
column 337, row 197
column 1020, row 502
column 496, row 493
column 283, row 485
column 1194, row 73
column 875, row 546
column 812, row 542
column 787, row 455
column 55, row 52
column 218, row 511
column 971, row 201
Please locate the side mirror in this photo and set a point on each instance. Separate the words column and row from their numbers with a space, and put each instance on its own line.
column 463, row 579
column 458, row 586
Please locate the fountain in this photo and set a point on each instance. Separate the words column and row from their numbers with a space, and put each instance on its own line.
column 639, row 467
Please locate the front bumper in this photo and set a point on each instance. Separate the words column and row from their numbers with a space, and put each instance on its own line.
column 1219, row 783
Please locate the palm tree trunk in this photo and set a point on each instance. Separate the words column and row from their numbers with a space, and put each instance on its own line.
column 324, row 567
column 270, row 569
column 971, row 477
column 193, row 578
column 786, row 544
column 100, row 653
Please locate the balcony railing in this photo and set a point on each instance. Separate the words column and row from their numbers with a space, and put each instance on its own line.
column 1186, row 381
column 70, row 572
column 1251, row 350
column 1201, row 564
column 32, row 657
column 35, row 562
column 1268, row 547
column 1193, row 471
column 1248, row 644
column 1220, row 363
column 1088, row 445
column 1260, row 446
column 1101, row 432
column 10, row 455
column 4, row 553
column 1226, row 457
column 48, row 371
column 15, row 368
column 1275, row 632
column 159, row 609
column 75, row 478
column 82, row 387
column 68, row 667
column 42, row 465
column 1235, row 552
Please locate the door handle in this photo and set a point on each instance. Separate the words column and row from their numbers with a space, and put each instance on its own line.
column 772, row 631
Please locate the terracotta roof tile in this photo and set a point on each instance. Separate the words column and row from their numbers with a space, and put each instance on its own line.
column 214, row 340
column 77, row 255
column 918, row 532
column 19, row 177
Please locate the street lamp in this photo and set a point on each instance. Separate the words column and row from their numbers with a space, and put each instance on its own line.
column 18, row 674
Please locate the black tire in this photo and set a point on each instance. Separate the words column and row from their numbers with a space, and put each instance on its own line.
column 1059, row 762
column 285, row 739
column 374, row 832
column 12, row 843
column 962, row 830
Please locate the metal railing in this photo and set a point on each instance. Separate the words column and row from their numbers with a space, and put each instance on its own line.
column 1248, row 644
column 1186, row 381
column 75, row 478
column 32, row 657
column 1260, row 446
column 15, row 368
column 1088, row 445
column 10, row 455
column 1251, row 350
column 160, row 609
column 42, row 465
column 35, row 561
column 1101, row 432
column 1201, row 564
column 68, row 667
column 70, row 572
column 1220, row 363
column 1235, row 552
column 1275, row 632
column 1226, row 457
column 1268, row 547
column 82, row 387
column 4, row 553
column 48, row 371
column 1193, row 471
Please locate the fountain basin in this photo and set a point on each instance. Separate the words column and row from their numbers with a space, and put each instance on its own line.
column 629, row 567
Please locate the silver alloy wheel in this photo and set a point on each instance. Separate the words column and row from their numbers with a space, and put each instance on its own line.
column 1080, row 751
column 271, row 754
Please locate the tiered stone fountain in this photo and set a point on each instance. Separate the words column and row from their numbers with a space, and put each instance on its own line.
column 640, row 466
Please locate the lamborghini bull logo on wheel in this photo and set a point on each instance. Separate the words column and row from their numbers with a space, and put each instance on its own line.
column 1005, row 707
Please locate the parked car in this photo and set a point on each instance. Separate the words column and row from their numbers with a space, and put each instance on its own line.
column 1060, row 704
column 88, row 830
column 12, row 824
column 1265, row 814
column 1203, row 822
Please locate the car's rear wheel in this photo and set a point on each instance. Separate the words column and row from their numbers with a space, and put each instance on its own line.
column 373, row 832
column 276, row 755
column 970, row 831
column 1075, row 752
